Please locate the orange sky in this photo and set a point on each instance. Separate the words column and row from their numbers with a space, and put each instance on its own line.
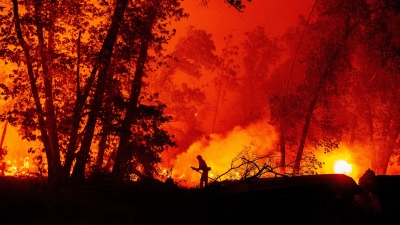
column 219, row 19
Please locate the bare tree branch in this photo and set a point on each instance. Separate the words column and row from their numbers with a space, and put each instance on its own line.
column 248, row 165
column 237, row 4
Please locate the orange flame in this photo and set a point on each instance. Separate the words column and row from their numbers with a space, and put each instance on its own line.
column 219, row 150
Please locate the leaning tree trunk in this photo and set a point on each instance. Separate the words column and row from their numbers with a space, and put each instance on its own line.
column 103, row 143
column 81, row 98
column 310, row 113
column 106, row 52
column 35, row 92
column 3, row 135
column 321, row 85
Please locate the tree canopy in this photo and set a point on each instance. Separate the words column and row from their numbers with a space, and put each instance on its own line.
column 92, row 83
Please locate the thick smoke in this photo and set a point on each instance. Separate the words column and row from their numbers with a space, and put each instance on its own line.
column 219, row 150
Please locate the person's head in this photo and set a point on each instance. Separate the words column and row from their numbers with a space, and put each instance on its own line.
column 199, row 157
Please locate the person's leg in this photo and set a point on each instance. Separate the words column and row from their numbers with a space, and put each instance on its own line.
column 204, row 179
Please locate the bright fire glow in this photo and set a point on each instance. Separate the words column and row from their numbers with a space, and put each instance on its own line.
column 343, row 161
column 342, row 167
column 219, row 150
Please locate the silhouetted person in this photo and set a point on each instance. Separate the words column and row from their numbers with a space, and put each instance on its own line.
column 204, row 168
column 367, row 182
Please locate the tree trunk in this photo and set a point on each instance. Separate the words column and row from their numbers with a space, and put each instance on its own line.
column 382, row 147
column 35, row 93
column 79, row 102
column 371, row 130
column 77, row 112
column 106, row 51
column 45, row 58
column 304, row 133
column 103, row 143
column 387, row 151
column 282, row 149
column 3, row 135
column 321, row 85
column 390, row 133
column 353, row 126
column 124, row 153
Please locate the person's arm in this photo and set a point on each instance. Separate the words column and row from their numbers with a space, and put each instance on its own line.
column 194, row 168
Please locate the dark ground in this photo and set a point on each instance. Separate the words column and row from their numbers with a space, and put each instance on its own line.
column 31, row 201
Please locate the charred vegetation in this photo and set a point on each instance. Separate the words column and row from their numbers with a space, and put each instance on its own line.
column 309, row 199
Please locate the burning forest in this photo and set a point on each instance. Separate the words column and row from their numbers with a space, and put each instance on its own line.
column 176, row 93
